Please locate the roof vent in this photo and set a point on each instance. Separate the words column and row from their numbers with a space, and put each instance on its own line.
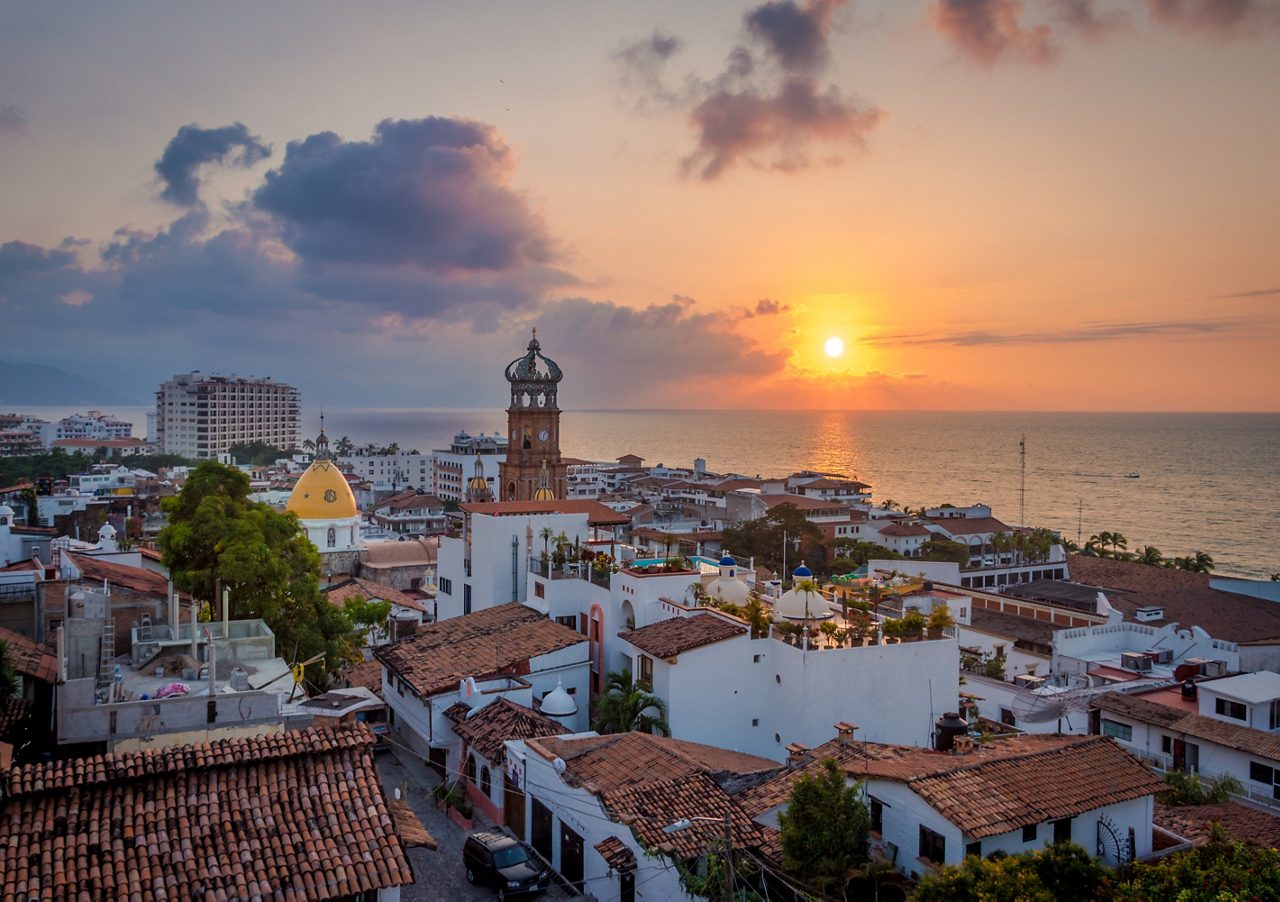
column 1149, row 612
column 239, row 681
column 1135, row 661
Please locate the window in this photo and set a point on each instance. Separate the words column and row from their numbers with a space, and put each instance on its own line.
column 1275, row 714
column 1121, row 731
column 486, row 784
column 471, row 769
column 1029, row 833
column 755, row 721
column 646, row 670
column 539, row 589
column 974, row 849
column 570, row 621
column 1228, row 708
column 445, row 585
column 1007, row 718
column 1062, row 830
column 756, row 659
column 933, row 846
column 332, row 537
column 1166, row 744
column 1261, row 773
column 877, row 814
column 466, row 598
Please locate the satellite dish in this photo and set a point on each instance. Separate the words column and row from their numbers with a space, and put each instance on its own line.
column 1050, row 703
column 558, row 765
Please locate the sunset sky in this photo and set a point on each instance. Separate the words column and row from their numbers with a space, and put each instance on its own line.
column 1050, row 204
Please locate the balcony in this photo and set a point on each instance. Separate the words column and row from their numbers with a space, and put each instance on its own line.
column 570, row 570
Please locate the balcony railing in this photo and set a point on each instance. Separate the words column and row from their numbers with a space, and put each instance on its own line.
column 569, row 570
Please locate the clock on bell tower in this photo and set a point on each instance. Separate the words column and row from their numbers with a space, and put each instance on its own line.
column 533, row 430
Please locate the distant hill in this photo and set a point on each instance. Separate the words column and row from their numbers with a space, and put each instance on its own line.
column 41, row 384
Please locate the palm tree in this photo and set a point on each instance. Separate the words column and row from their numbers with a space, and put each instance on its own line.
column 1103, row 543
column 1202, row 563
column 755, row 614
column 545, row 534
column 308, row 445
column 1094, row 547
column 1119, row 544
column 626, row 706
column 1151, row 556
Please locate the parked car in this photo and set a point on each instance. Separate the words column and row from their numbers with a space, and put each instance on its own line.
column 497, row 860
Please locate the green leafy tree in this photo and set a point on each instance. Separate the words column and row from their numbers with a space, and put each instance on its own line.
column 824, row 829
column 218, row 538
column 944, row 550
column 1062, row 872
column 367, row 615
column 1219, row 870
column 762, row 538
column 258, row 453
column 1189, row 789
column 1151, row 556
column 625, row 705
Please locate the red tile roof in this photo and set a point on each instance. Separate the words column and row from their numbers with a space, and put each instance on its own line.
column 367, row 674
column 497, row 641
column 495, row 723
column 1185, row 596
column 12, row 713
column 650, row 807
column 1245, row 823
column 800, row 502
column 603, row 763
column 137, row 579
column 597, row 513
column 29, row 658
column 295, row 815
column 354, row 587
column 1242, row 738
column 668, row 638
column 968, row 526
column 902, row 529
column 616, row 854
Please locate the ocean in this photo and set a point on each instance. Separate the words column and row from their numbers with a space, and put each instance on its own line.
column 1206, row 482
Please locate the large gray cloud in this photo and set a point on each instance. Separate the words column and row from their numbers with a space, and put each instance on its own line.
column 766, row 107
column 193, row 147
column 1219, row 18
column 987, row 31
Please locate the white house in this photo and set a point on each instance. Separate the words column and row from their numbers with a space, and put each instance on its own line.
column 1225, row 727
column 510, row 651
column 931, row 808
column 596, row 807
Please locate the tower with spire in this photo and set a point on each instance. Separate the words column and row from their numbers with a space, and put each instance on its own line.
column 533, row 470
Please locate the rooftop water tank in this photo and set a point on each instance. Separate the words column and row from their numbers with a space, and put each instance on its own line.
column 948, row 727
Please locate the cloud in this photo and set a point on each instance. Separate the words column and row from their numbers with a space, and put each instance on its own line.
column 428, row 192
column 193, row 147
column 766, row 106
column 1259, row 293
column 642, row 62
column 1218, row 18
column 764, row 307
column 19, row 259
column 76, row 297
column 12, row 119
column 1084, row 18
column 1087, row 333
column 987, row 31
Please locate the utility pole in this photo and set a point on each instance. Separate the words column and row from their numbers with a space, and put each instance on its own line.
column 728, row 856
column 1080, row 522
column 1022, row 488
column 784, row 559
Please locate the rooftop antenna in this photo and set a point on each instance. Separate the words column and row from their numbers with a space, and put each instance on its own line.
column 1079, row 521
column 1022, row 488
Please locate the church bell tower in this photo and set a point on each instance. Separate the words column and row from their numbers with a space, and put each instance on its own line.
column 533, row 469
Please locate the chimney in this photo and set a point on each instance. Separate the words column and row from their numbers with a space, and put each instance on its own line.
column 797, row 753
column 845, row 731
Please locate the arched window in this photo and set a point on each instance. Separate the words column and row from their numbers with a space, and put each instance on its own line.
column 485, row 784
column 471, row 769
column 333, row 537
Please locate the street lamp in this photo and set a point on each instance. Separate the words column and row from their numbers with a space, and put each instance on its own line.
column 685, row 823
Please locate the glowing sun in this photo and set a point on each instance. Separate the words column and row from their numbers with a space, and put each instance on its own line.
column 834, row 347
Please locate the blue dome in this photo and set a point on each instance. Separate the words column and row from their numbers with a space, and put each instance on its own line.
column 728, row 561
column 803, row 572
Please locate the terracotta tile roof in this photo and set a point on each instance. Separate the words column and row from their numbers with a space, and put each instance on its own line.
column 12, row 714
column 29, row 658
column 19, row 565
column 801, row 502
column 367, row 674
column 616, row 854
column 495, row 723
column 369, row 591
column 968, row 526
column 904, row 530
column 145, row 582
column 380, row 555
column 597, row 513
column 295, row 815
column 668, row 638
column 648, row 808
column 497, row 641
column 412, row 832
column 1210, row 729
column 994, row 797
column 1185, row 596
column 825, row 482
column 604, row 763
column 410, row 501
column 996, row 788
column 1246, row 823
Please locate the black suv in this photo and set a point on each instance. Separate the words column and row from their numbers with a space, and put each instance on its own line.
column 495, row 859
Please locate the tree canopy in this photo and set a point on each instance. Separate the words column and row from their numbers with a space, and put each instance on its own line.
column 258, row 453
column 218, row 538
column 762, row 538
column 1062, row 872
column 627, row 705
column 824, row 829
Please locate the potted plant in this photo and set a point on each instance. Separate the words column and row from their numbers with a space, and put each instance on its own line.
column 913, row 626
column 940, row 619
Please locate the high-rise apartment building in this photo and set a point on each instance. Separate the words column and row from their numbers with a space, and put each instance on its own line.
column 202, row 415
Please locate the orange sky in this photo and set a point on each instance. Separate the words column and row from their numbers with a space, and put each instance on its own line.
column 1045, row 213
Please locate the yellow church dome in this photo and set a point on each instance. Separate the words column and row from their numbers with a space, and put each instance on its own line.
column 322, row 493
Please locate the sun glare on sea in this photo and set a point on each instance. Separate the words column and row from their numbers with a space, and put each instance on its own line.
column 834, row 346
